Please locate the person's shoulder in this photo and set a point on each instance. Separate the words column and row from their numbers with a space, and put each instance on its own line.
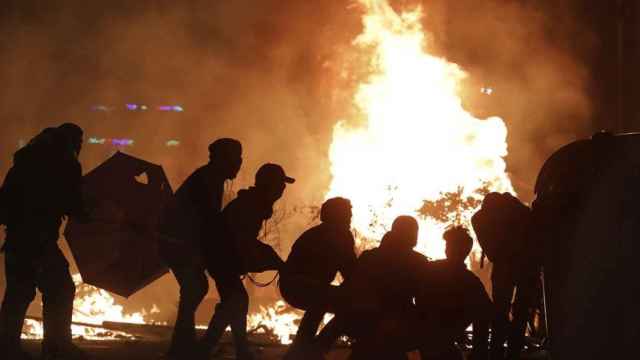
column 418, row 258
column 471, row 279
column 368, row 254
column 200, row 173
column 308, row 236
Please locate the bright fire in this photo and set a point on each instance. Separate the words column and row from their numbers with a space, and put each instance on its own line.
column 280, row 320
column 417, row 141
column 91, row 306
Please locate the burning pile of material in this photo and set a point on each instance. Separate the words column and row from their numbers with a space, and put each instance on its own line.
column 92, row 306
column 417, row 143
column 279, row 321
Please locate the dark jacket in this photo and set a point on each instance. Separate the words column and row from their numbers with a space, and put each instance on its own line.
column 388, row 279
column 236, row 248
column 43, row 185
column 320, row 252
column 191, row 216
column 454, row 294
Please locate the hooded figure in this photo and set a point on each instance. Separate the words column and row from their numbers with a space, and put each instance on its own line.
column 43, row 186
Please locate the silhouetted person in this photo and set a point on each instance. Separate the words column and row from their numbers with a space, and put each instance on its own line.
column 186, row 224
column 315, row 259
column 43, row 186
column 238, row 251
column 502, row 226
column 382, row 287
column 453, row 298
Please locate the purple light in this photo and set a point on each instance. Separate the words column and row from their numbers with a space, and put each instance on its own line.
column 122, row 142
column 165, row 108
column 132, row 106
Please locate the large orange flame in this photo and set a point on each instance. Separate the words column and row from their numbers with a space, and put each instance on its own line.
column 418, row 142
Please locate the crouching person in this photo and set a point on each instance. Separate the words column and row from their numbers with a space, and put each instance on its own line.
column 315, row 259
column 452, row 299
column 382, row 288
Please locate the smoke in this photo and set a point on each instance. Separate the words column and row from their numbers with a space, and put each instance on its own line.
column 534, row 56
column 272, row 74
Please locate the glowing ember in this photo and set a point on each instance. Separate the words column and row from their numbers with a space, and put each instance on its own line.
column 417, row 142
column 91, row 306
column 280, row 319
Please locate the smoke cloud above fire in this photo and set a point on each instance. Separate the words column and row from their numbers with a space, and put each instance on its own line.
column 273, row 74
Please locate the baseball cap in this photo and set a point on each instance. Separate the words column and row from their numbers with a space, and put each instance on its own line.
column 272, row 173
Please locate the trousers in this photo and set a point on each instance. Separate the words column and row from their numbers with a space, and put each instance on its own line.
column 49, row 273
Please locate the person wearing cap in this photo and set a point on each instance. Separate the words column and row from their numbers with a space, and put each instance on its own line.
column 238, row 251
column 315, row 259
column 187, row 222
column 43, row 186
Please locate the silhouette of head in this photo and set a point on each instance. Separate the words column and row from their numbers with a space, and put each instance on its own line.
column 336, row 211
column 272, row 180
column 459, row 243
column 73, row 133
column 403, row 235
column 227, row 154
column 492, row 200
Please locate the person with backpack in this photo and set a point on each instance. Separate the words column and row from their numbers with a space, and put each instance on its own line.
column 503, row 227
column 189, row 221
column 315, row 259
column 43, row 186
column 237, row 252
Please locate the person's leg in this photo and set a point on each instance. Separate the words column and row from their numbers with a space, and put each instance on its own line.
column 58, row 291
column 525, row 294
column 309, row 325
column 502, row 293
column 232, row 310
column 193, row 288
column 239, row 300
column 303, row 343
column 19, row 292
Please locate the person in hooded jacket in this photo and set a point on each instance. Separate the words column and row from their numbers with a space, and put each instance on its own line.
column 187, row 222
column 237, row 251
column 43, row 186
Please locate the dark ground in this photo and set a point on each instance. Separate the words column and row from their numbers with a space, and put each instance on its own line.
column 152, row 350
